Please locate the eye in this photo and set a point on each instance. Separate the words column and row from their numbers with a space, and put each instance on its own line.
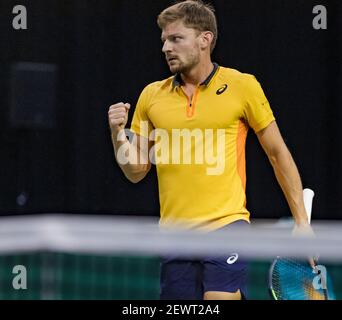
column 176, row 39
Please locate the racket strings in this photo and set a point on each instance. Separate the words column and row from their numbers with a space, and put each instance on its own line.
column 293, row 280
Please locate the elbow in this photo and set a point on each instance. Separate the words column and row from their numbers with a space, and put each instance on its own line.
column 273, row 159
column 280, row 156
column 137, row 175
column 135, row 179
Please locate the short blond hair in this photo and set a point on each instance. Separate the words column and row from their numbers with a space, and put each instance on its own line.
column 195, row 14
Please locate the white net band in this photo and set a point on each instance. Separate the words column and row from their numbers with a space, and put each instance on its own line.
column 118, row 235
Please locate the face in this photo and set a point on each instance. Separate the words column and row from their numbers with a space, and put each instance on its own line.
column 181, row 46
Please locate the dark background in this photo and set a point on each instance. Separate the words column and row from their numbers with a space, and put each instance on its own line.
column 107, row 51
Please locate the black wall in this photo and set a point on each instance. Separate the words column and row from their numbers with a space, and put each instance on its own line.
column 107, row 51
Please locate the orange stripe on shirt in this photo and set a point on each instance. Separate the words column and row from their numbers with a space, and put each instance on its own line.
column 241, row 153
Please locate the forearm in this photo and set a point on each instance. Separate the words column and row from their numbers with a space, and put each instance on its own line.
column 289, row 180
column 134, row 165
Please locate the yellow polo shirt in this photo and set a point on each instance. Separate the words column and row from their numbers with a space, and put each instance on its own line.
column 200, row 145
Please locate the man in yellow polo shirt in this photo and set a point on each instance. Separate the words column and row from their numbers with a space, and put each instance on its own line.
column 195, row 125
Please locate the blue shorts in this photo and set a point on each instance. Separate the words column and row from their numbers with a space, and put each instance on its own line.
column 189, row 279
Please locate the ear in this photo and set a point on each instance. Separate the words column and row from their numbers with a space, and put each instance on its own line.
column 207, row 38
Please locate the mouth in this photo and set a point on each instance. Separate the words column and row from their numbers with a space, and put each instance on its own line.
column 172, row 59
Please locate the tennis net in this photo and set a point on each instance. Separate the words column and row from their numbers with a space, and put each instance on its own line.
column 55, row 257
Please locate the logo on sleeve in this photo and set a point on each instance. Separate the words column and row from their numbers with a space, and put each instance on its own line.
column 222, row 90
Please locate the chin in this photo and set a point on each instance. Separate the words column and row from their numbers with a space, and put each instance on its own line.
column 174, row 70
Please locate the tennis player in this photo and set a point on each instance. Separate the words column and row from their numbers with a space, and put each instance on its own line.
column 205, row 100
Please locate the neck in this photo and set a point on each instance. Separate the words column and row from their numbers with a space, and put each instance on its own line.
column 198, row 74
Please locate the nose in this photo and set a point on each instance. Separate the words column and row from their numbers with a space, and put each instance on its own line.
column 166, row 46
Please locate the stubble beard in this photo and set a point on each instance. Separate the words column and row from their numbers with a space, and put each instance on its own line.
column 184, row 68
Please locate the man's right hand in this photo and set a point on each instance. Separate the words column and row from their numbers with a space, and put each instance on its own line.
column 118, row 116
column 305, row 230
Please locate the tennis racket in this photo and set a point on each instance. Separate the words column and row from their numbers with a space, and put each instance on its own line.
column 291, row 279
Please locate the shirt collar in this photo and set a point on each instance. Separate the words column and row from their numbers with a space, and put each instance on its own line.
column 177, row 79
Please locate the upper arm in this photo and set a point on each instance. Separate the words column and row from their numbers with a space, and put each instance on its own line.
column 141, row 122
column 143, row 147
column 272, row 141
column 142, row 127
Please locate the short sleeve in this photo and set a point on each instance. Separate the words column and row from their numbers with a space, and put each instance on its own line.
column 257, row 112
column 141, row 124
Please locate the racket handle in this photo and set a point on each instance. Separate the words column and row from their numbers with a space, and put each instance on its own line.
column 308, row 195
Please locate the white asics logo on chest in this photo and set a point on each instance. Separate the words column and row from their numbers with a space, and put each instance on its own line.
column 233, row 258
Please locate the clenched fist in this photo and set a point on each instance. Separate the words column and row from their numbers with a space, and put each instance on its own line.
column 118, row 116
